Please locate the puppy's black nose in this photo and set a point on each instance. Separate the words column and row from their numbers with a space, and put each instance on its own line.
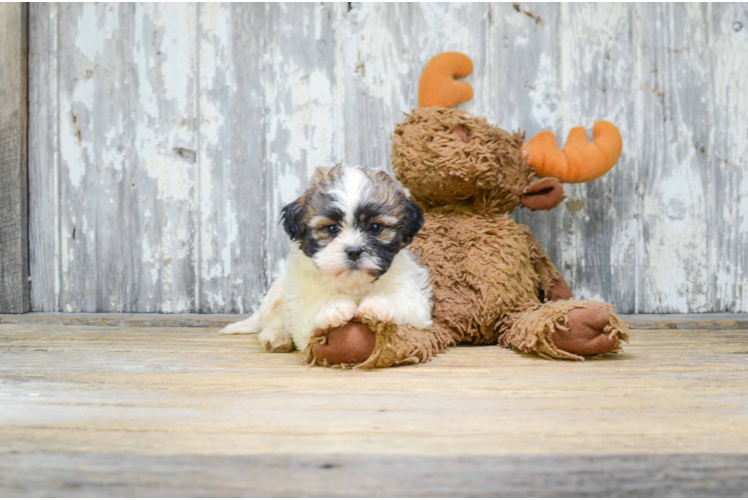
column 354, row 253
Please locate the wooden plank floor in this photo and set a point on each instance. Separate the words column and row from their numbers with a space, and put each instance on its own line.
column 115, row 411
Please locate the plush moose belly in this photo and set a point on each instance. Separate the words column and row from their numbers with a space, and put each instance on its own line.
column 480, row 269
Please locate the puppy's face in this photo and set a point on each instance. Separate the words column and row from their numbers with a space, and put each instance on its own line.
column 352, row 221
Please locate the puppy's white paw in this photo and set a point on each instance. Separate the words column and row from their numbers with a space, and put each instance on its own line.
column 274, row 340
column 376, row 310
column 335, row 314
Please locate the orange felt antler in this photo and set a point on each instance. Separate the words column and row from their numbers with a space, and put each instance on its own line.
column 438, row 87
column 579, row 160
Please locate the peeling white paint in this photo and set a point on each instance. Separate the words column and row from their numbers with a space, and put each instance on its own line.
column 105, row 24
column 545, row 110
column 289, row 187
column 232, row 231
column 172, row 175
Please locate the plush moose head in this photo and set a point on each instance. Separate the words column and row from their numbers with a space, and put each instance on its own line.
column 448, row 158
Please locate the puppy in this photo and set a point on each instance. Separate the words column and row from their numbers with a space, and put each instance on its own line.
column 349, row 261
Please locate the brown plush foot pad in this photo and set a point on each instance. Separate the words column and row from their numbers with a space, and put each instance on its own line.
column 349, row 344
column 585, row 335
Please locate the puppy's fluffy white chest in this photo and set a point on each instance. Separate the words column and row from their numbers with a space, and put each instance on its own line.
column 402, row 295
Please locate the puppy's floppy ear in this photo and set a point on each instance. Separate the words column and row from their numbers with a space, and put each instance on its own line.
column 413, row 221
column 292, row 216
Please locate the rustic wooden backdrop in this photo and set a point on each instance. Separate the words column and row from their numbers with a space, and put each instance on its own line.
column 14, row 244
column 163, row 139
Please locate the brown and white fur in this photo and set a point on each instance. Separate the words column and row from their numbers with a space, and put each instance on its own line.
column 349, row 261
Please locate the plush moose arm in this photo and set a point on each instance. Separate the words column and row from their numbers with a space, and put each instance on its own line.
column 552, row 285
column 365, row 346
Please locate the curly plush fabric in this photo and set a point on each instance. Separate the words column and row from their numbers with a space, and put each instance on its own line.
column 403, row 344
column 449, row 158
column 481, row 268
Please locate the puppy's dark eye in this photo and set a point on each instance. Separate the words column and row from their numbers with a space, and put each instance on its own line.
column 332, row 230
column 375, row 228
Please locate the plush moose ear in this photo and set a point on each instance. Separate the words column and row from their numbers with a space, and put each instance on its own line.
column 292, row 216
column 543, row 194
column 413, row 221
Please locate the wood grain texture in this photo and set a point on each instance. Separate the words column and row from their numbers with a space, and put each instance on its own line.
column 163, row 106
column 127, row 106
column 44, row 180
column 78, row 402
column 202, row 121
column 233, row 212
column 95, row 156
column 112, row 475
column 729, row 223
column 676, row 247
column 158, row 391
column 14, row 243
column 597, row 245
column 700, row 321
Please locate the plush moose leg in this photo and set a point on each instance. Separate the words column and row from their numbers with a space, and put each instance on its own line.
column 362, row 346
column 565, row 329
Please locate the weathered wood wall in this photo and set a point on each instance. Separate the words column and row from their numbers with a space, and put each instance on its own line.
column 165, row 138
column 14, row 244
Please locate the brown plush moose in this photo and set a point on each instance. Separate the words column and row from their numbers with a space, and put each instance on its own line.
column 492, row 282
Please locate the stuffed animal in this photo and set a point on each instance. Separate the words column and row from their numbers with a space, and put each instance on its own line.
column 492, row 282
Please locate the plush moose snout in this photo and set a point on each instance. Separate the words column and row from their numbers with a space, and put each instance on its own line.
column 543, row 194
